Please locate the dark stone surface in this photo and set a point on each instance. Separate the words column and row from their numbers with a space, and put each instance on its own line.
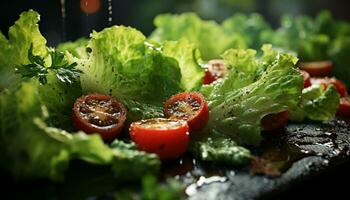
column 323, row 146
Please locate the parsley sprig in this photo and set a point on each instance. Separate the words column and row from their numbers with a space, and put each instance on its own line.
column 65, row 72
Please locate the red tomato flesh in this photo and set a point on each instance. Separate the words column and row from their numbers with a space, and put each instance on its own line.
column 274, row 121
column 215, row 69
column 344, row 107
column 190, row 107
column 317, row 69
column 101, row 114
column 166, row 137
column 339, row 85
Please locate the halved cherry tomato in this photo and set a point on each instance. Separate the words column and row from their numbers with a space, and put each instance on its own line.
column 306, row 76
column 274, row 121
column 166, row 137
column 188, row 106
column 344, row 107
column 339, row 85
column 215, row 70
column 98, row 113
column 317, row 69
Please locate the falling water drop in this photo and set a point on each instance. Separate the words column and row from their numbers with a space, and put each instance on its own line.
column 63, row 15
column 110, row 12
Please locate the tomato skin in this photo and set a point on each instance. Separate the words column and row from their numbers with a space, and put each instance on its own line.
column 274, row 121
column 344, row 107
column 90, row 6
column 168, row 142
column 208, row 77
column 215, row 69
column 317, row 69
column 199, row 119
column 306, row 76
column 339, row 85
column 107, row 133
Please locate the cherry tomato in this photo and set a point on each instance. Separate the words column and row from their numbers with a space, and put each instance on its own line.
column 344, row 107
column 98, row 113
column 215, row 70
column 339, row 85
column 307, row 82
column 317, row 69
column 274, row 121
column 166, row 137
column 188, row 106
column 90, row 6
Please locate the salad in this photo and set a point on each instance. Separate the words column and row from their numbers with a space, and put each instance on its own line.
column 123, row 100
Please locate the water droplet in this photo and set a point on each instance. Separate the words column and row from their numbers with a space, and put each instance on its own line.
column 110, row 12
column 63, row 15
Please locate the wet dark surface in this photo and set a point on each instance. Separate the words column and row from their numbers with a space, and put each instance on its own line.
column 303, row 161
column 306, row 160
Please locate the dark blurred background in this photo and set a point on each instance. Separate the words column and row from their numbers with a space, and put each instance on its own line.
column 83, row 16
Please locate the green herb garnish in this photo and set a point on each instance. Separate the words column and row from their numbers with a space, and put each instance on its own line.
column 65, row 72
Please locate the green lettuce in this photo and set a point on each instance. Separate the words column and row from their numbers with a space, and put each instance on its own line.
column 77, row 48
column 301, row 35
column 122, row 64
column 254, row 88
column 13, row 52
column 317, row 104
column 31, row 144
column 250, row 27
column 189, row 60
column 33, row 149
column 221, row 149
column 341, row 60
column 210, row 37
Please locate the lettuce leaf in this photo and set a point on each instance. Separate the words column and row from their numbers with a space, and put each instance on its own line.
column 122, row 64
column 221, row 149
column 254, row 88
column 210, row 37
column 317, row 104
column 77, row 48
column 301, row 35
column 189, row 60
column 341, row 60
column 32, row 149
column 13, row 52
column 250, row 27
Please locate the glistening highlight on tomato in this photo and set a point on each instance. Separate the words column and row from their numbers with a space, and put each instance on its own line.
column 215, row 69
column 344, row 107
column 188, row 106
column 317, row 69
column 98, row 113
column 274, row 121
column 168, row 138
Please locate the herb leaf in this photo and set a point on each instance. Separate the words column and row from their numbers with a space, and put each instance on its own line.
column 65, row 72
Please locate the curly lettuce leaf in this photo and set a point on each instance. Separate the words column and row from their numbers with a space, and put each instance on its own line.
column 188, row 57
column 222, row 150
column 32, row 149
column 122, row 64
column 317, row 104
column 254, row 88
column 76, row 48
column 300, row 35
column 250, row 27
column 341, row 58
column 209, row 36
column 13, row 52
